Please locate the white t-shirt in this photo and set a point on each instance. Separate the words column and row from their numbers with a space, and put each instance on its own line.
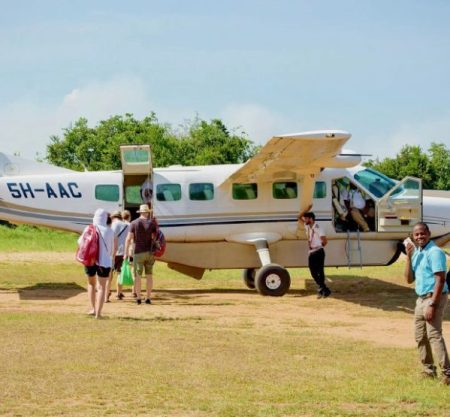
column 356, row 199
column 120, row 230
column 106, row 246
column 314, row 233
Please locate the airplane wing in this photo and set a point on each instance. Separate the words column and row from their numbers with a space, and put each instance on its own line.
column 296, row 157
column 292, row 156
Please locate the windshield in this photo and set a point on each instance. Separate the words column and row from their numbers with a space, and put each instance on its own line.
column 377, row 183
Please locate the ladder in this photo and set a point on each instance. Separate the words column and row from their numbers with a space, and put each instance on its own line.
column 352, row 251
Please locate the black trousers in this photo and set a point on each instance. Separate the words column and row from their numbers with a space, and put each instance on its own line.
column 316, row 261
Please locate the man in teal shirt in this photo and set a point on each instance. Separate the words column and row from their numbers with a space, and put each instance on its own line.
column 426, row 265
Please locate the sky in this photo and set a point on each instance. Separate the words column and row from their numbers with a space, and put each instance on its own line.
column 378, row 69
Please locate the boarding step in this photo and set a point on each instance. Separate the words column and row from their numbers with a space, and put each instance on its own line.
column 353, row 249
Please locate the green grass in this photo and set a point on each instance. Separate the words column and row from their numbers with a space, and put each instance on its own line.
column 29, row 238
column 64, row 364
column 206, row 348
column 203, row 349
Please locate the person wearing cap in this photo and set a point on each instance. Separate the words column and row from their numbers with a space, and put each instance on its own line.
column 142, row 232
column 120, row 229
column 426, row 266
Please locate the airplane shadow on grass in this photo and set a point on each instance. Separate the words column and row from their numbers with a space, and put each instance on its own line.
column 51, row 291
column 371, row 292
column 361, row 290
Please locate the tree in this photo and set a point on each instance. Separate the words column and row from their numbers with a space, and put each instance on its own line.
column 440, row 166
column 211, row 144
column 201, row 143
column 432, row 167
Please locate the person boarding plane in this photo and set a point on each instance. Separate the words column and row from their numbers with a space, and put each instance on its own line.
column 242, row 215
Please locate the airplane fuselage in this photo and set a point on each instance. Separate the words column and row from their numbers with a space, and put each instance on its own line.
column 213, row 231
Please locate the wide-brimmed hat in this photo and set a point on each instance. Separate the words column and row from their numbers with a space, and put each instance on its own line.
column 143, row 208
column 116, row 215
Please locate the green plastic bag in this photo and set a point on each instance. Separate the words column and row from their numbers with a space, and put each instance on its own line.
column 125, row 277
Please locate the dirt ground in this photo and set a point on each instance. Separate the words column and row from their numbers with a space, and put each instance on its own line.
column 45, row 257
column 355, row 317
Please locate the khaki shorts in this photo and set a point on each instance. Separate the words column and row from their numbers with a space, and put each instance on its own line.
column 143, row 263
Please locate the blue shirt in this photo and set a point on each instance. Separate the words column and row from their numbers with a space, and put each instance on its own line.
column 425, row 263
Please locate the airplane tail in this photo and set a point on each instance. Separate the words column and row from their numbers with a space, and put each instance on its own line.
column 11, row 165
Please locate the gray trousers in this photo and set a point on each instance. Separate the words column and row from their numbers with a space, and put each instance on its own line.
column 429, row 336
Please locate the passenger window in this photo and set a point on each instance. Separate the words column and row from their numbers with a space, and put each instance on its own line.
column 133, row 194
column 201, row 191
column 245, row 191
column 284, row 190
column 168, row 192
column 320, row 189
column 107, row 192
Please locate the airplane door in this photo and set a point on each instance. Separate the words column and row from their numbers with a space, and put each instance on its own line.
column 137, row 175
column 401, row 207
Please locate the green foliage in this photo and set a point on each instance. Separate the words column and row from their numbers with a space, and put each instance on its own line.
column 440, row 161
column 97, row 148
column 211, row 143
column 432, row 167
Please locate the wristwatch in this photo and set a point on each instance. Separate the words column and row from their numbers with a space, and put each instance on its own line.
column 431, row 303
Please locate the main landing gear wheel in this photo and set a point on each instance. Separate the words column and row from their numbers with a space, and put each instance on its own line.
column 248, row 275
column 273, row 280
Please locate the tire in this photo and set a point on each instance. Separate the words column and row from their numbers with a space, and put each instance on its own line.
column 248, row 275
column 273, row 280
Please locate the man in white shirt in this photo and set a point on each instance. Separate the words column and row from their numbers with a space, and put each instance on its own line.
column 316, row 255
column 357, row 205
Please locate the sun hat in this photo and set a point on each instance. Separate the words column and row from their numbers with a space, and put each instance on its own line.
column 143, row 208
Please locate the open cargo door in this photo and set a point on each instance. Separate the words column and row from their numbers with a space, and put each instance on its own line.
column 137, row 175
column 401, row 207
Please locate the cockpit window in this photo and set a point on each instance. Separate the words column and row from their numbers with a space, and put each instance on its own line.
column 377, row 183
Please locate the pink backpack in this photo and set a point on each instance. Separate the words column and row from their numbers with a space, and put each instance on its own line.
column 87, row 252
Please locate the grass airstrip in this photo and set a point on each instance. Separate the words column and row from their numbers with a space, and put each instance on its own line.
column 205, row 348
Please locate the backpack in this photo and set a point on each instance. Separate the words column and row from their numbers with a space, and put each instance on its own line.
column 87, row 252
column 159, row 242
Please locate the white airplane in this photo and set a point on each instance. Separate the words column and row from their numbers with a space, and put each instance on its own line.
column 236, row 216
